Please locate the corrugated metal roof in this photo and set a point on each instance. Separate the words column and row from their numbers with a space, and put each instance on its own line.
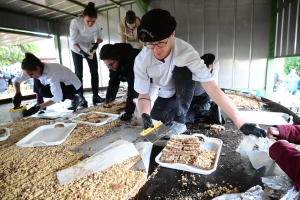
column 37, row 16
column 8, row 39
column 55, row 9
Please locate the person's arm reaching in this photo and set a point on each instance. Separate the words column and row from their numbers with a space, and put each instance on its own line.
column 122, row 36
column 222, row 100
column 288, row 132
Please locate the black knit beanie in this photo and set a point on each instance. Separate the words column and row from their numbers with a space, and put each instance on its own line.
column 156, row 25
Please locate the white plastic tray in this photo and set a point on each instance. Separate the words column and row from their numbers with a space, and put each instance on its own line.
column 111, row 117
column 50, row 114
column 266, row 118
column 212, row 144
column 47, row 135
column 5, row 135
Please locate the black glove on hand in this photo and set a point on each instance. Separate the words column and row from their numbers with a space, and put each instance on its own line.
column 17, row 99
column 34, row 109
column 95, row 46
column 208, row 58
column 249, row 128
column 85, row 55
column 126, row 117
column 147, row 121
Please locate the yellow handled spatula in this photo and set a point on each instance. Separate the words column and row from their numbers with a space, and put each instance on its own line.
column 153, row 134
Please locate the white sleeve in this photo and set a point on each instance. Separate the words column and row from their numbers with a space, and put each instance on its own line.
column 74, row 32
column 100, row 31
column 141, row 78
column 21, row 77
column 56, row 90
column 200, row 71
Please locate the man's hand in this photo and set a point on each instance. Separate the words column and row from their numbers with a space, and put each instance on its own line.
column 105, row 105
column 17, row 99
column 249, row 128
column 85, row 55
column 95, row 46
column 272, row 133
column 34, row 109
column 126, row 117
column 147, row 122
column 208, row 59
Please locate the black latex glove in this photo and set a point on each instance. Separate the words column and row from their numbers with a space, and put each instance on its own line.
column 105, row 105
column 95, row 46
column 147, row 122
column 249, row 128
column 126, row 117
column 17, row 99
column 85, row 55
column 34, row 109
column 208, row 58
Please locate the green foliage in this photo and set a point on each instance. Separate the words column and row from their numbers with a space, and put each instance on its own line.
column 15, row 53
column 292, row 63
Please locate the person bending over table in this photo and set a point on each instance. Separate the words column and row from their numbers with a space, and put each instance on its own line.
column 119, row 59
column 56, row 82
column 176, row 67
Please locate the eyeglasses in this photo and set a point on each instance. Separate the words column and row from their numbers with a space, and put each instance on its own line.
column 160, row 45
column 110, row 64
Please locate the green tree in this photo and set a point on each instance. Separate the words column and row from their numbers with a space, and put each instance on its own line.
column 15, row 53
column 292, row 63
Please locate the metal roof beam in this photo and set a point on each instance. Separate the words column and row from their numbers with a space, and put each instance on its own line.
column 37, row 4
column 117, row 3
column 15, row 31
column 283, row 5
column 77, row 3
column 143, row 5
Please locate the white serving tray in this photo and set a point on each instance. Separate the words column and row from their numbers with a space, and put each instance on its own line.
column 266, row 118
column 5, row 135
column 111, row 117
column 50, row 114
column 47, row 135
column 213, row 144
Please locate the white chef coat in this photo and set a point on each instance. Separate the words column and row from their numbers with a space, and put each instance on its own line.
column 52, row 75
column 146, row 66
column 82, row 34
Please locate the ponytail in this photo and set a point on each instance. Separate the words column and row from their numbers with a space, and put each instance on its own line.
column 90, row 10
column 31, row 62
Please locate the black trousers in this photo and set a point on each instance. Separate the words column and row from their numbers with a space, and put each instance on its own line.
column 179, row 107
column 44, row 90
column 93, row 65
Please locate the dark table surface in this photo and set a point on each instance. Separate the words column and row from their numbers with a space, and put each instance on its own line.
column 233, row 171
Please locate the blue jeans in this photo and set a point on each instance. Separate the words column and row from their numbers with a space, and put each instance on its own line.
column 179, row 107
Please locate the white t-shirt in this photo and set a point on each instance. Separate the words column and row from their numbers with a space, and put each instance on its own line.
column 146, row 66
column 52, row 75
column 82, row 34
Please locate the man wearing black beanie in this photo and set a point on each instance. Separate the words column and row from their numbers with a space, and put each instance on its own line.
column 175, row 66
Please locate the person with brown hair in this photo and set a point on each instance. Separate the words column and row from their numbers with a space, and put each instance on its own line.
column 86, row 33
column 127, row 30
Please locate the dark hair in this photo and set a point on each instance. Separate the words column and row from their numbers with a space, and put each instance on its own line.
column 109, row 52
column 30, row 62
column 130, row 17
column 90, row 10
